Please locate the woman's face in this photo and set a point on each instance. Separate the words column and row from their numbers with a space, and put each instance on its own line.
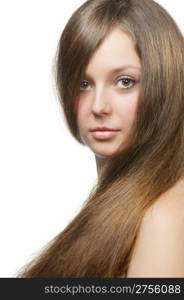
column 109, row 93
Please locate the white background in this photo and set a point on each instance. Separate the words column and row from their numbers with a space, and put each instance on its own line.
column 45, row 175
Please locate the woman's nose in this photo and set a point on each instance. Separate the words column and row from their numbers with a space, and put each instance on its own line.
column 101, row 102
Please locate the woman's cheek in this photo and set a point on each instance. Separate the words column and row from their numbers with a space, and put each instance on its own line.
column 84, row 109
column 130, row 104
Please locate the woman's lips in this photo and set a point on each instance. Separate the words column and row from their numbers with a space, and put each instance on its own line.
column 104, row 135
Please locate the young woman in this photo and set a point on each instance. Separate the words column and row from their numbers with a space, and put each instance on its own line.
column 120, row 80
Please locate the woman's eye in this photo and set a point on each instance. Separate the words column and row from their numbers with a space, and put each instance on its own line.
column 83, row 85
column 126, row 82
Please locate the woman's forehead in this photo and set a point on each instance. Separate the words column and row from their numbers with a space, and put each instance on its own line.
column 116, row 53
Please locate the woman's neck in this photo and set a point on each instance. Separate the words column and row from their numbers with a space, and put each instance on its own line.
column 100, row 161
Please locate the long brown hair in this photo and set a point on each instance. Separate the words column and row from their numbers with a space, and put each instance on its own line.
column 99, row 241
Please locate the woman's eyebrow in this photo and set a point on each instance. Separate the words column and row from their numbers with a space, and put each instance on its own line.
column 122, row 68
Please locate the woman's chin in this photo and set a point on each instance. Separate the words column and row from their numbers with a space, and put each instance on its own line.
column 104, row 154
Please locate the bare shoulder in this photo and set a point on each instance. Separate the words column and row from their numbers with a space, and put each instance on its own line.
column 159, row 248
column 168, row 210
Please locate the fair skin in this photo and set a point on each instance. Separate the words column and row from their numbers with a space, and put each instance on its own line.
column 104, row 100
column 159, row 248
